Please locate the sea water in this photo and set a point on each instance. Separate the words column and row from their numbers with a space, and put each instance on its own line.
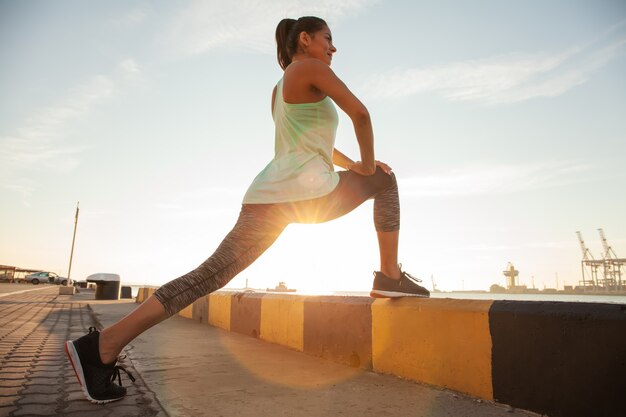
column 617, row 299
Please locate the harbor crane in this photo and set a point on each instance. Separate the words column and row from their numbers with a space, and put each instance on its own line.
column 589, row 261
column 610, row 265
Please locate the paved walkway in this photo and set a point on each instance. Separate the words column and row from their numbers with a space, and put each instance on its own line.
column 8, row 288
column 35, row 376
column 195, row 370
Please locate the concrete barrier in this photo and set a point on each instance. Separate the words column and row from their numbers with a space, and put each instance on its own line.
column 555, row 358
column 441, row 342
column 63, row 290
column 282, row 320
column 560, row 359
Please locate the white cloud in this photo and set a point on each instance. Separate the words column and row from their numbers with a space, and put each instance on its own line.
column 502, row 79
column 130, row 66
column 205, row 25
column 131, row 18
column 491, row 180
column 49, row 122
column 39, row 144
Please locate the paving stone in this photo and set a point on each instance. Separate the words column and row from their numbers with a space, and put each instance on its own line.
column 42, row 389
column 22, row 357
column 6, row 391
column 125, row 410
column 58, row 352
column 26, row 353
column 15, row 368
column 11, row 383
column 58, row 370
column 53, row 357
column 6, row 410
column 83, row 405
column 36, row 410
column 42, row 381
column 132, row 399
column 70, row 379
column 75, row 396
column 39, row 399
column 95, row 413
column 19, row 360
column 54, row 361
column 70, row 389
column 40, row 378
column 13, row 375
column 43, row 374
column 7, row 401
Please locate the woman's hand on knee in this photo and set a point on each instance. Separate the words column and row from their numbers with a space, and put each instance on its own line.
column 360, row 169
column 386, row 168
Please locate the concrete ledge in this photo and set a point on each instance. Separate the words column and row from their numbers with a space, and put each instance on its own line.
column 282, row 320
column 219, row 309
column 63, row 290
column 245, row 314
column 339, row 329
column 560, row 359
column 441, row 342
column 200, row 310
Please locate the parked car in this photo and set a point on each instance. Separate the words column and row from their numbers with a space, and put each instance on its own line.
column 46, row 277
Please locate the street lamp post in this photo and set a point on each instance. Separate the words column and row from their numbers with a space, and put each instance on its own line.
column 69, row 270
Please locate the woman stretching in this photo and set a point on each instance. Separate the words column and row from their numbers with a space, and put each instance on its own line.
column 298, row 186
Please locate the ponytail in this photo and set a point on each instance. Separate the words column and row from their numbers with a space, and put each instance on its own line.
column 287, row 33
column 282, row 38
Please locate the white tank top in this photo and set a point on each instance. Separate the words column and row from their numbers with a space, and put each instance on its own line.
column 302, row 167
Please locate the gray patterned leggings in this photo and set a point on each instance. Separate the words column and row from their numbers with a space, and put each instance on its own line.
column 259, row 225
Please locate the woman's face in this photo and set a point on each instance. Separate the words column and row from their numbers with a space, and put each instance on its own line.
column 321, row 46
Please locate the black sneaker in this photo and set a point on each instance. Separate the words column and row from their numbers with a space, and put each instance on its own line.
column 406, row 286
column 95, row 377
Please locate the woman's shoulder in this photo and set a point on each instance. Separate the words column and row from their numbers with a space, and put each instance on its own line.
column 306, row 65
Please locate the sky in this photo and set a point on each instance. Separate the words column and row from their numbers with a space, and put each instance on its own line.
column 504, row 122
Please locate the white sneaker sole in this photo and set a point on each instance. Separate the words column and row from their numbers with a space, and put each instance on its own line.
column 393, row 294
column 72, row 355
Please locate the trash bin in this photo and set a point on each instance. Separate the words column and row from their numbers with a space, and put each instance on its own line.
column 127, row 292
column 107, row 286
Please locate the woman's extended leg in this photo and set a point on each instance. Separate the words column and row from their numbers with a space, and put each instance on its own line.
column 256, row 229
column 93, row 356
column 114, row 338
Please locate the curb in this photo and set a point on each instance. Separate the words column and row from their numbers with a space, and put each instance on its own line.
column 557, row 358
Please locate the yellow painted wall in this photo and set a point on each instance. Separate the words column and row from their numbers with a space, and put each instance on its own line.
column 437, row 341
column 186, row 312
column 219, row 310
column 282, row 320
column 143, row 294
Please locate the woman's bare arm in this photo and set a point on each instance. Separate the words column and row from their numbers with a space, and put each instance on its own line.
column 341, row 160
column 324, row 79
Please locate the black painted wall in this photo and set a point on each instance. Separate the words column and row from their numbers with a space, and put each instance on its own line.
column 560, row 359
